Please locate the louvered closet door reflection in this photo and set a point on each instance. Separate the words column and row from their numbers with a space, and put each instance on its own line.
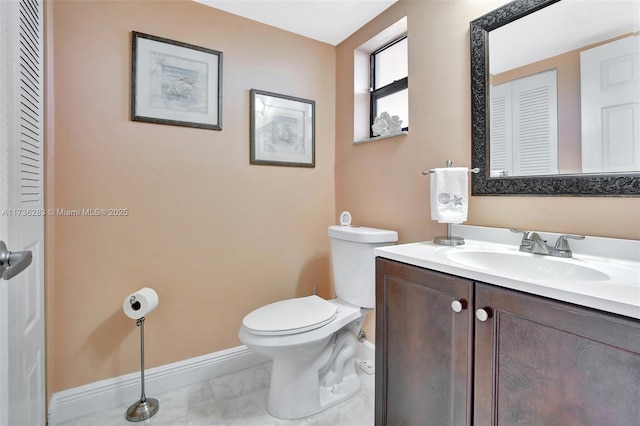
column 501, row 152
column 535, row 124
column 524, row 126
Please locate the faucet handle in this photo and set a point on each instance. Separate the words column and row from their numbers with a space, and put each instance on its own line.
column 528, row 238
column 526, row 235
column 563, row 244
column 524, row 232
column 516, row 230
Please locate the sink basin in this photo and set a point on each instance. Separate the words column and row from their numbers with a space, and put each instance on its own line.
column 527, row 266
column 604, row 274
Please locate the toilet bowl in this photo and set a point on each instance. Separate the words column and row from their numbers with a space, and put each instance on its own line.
column 313, row 341
column 304, row 380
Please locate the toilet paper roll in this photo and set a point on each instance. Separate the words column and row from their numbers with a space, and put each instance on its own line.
column 138, row 304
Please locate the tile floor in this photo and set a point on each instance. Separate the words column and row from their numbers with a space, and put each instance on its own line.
column 238, row 398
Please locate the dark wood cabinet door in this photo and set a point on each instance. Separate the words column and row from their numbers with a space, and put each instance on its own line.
column 423, row 347
column 543, row 362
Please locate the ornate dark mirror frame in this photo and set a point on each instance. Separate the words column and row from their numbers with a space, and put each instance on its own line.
column 620, row 184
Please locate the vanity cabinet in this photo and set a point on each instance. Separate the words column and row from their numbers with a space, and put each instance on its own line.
column 423, row 347
column 505, row 358
column 540, row 361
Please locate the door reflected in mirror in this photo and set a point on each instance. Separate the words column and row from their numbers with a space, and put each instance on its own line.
column 564, row 90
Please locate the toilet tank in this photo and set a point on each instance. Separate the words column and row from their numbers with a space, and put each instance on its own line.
column 353, row 261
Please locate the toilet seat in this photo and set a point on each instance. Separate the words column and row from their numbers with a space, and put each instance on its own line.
column 290, row 316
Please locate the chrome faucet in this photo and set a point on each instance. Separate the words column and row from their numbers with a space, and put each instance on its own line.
column 533, row 243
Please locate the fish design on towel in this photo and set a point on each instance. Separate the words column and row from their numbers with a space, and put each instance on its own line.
column 445, row 198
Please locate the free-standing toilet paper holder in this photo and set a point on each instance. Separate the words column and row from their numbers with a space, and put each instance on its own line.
column 145, row 408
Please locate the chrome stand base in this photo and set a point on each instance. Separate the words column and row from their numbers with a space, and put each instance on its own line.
column 143, row 409
column 449, row 241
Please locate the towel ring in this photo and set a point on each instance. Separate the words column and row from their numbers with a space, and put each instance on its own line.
column 449, row 164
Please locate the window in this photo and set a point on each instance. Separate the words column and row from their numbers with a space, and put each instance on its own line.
column 389, row 81
column 384, row 49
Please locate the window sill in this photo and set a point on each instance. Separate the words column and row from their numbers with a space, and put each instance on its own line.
column 379, row 138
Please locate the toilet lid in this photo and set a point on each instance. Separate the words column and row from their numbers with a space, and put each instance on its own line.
column 290, row 316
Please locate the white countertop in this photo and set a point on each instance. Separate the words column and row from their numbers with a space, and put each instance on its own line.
column 619, row 294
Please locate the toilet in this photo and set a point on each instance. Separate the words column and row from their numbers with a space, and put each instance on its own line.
column 312, row 341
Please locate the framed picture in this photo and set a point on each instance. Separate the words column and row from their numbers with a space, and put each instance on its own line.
column 282, row 130
column 175, row 83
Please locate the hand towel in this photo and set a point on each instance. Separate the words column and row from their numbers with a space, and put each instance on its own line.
column 449, row 194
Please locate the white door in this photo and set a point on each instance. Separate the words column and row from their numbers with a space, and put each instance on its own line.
column 610, row 103
column 22, row 362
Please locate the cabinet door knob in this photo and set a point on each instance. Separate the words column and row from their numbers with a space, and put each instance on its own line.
column 483, row 314
column 458, row 305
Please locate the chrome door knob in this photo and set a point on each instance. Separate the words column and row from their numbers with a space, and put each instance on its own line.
column 458, row 305
column 11, row 264
column 482, row 314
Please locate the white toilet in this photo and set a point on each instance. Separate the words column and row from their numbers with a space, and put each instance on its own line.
column 313, row 341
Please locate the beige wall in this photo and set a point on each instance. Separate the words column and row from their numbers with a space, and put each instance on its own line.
column 381, row 183
column 215, row 236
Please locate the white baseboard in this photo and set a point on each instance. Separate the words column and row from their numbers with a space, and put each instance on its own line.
column 366, row 352
column 110, row 393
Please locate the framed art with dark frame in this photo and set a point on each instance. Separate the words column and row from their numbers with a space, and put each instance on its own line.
column 175, row 83
column 282, row 130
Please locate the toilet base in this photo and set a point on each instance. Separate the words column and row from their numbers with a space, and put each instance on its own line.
column 326, row 397
column 337, row 393
column 305, row 385
column 314, row 370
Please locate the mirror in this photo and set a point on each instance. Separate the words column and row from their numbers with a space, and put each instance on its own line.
column 509, row 58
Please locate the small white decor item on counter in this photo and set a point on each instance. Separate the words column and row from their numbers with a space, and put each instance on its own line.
column 140, row 303
column 385, row 124
column 345, row 218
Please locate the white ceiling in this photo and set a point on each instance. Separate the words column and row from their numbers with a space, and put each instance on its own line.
column 559, row 28
column 329, row 21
